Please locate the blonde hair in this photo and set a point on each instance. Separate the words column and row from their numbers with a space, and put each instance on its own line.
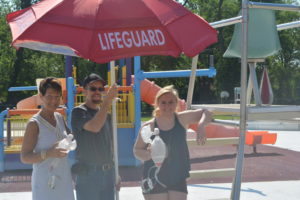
column 161, row 92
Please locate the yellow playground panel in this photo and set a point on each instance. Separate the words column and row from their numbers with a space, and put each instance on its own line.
column 125, row 106
column 15, row 129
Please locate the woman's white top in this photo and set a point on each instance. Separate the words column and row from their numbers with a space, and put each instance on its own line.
column 51, row 178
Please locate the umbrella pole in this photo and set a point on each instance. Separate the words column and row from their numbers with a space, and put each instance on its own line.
column 192, row 82
column 114, row 125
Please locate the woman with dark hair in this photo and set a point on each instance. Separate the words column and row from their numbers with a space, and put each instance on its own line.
column 51, row 175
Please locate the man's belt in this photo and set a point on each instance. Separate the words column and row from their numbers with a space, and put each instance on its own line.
column 103, row 167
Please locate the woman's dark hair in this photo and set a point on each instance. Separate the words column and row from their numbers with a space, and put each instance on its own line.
column 50, row 82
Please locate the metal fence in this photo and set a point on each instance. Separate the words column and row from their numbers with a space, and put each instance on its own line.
column 14, row 129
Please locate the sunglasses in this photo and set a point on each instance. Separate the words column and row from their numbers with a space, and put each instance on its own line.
column 93, row 89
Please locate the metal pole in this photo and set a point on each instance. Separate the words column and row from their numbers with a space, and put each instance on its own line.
column 68, row 68
column 226, row 22
column 23, row 88
column 128, row 71
column 70, row 98
column 224, row 122
column 236, row 185
column 137, row 97
column 274, row 6
column 114, row 122
column 238, row 19
column 289, row 25
column 211, row 72
column 2, row 117
column 189, row 98
column 137, row 93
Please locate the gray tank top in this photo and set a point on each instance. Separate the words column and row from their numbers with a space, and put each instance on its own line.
column 176, row 166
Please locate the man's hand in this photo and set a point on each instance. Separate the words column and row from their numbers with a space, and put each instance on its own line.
column 112, row 92
column 55, row 152
column 110, row 95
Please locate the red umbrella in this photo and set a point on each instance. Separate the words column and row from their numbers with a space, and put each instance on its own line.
column 105, row 30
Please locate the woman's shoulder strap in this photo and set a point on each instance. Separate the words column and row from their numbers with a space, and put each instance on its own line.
column 155, row 123
column 176, row 118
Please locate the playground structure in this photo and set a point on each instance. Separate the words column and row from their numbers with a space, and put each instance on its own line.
column 262, row 43
column 139, row 75
column 16, row 119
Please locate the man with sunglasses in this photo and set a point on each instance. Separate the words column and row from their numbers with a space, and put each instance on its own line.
column 92, row 127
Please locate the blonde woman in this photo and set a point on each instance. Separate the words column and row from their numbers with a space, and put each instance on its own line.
column 170, row 182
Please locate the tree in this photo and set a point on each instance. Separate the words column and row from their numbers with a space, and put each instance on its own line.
column 228, row 70
column 284, row 67
column 6, row 52
column 284, row 64
column 22, row 67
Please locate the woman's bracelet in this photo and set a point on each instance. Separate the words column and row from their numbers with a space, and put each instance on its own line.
column 43, row 154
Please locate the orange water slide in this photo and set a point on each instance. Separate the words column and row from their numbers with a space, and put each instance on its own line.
column 149, row 90
column 29, row 103
column 32, row 102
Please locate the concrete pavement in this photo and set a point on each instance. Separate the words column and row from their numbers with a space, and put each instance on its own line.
column 276, row 190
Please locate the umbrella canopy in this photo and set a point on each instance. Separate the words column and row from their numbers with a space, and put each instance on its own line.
column 105, row 30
